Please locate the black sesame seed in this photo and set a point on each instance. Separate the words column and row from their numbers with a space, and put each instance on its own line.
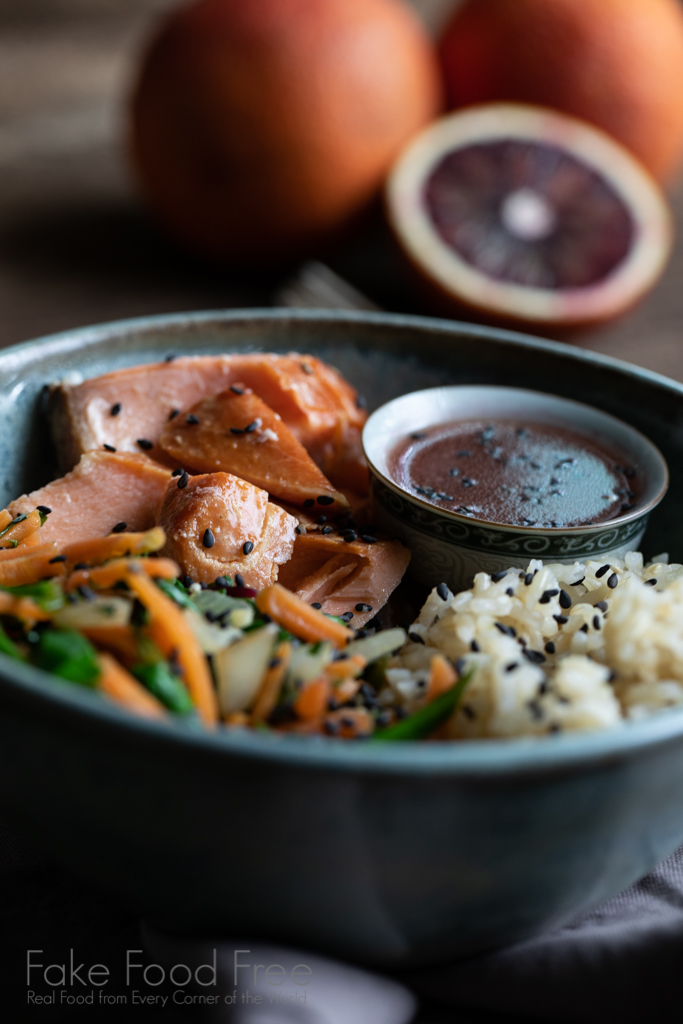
column 535, row 709
column 496, row 577
column 510, row 592
column 368, row 538
column 550, row 647
column 505, row 630
column 419, row 435
column 173, row 413
column 468, row 712
column 251, row 427
column 236, row 390
column 629, row 472
column 236, row 430
column 460, row 665
column 115, row 409
column 306, row 368
column 109, row 447
column 144, row 443
column 187, row 581
column 535, row 657
column 565, row 599
column 529, row 522
column 443, row 591
column 178, row 472
column 584, row 628
column 191, row 419
column 309, row 502
column 346, row 616
column 119, row 528
column 44, row 510
column 326, row 530
column 208, row 540
column 463, row 454
column 474, row 646
column 321, row 519
column 221, row 581
column 512, row 666
column 543, row 687
column 239, row 581
column 578, row 583
column 601, row 606
column 211, row 616
column 416, row 638
column 596, row 622
column 86, row 592
column 612, row 581
column 528, row 579
column 300, row 529
column 316, row 604
column 561, row 619
column 363, row 607
column 170, row 357
column 651, row 582
column 554, row 727
column 602, row 570
column 349, row 536
column 58, row 558
column 361, row 402
column 248, row 547
column 547, row 595
column 467, row 482
column 183, row 481
column 627, row 507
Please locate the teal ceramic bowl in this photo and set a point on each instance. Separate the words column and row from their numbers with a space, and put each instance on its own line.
column 394, row 854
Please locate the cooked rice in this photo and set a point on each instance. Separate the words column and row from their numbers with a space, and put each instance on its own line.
column 615, row 654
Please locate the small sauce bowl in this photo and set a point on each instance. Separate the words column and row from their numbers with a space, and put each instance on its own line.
column 450, row 546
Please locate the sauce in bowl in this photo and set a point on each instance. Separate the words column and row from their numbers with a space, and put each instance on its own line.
column 516, row 474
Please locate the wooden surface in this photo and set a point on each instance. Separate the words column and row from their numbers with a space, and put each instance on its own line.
column 76, row 246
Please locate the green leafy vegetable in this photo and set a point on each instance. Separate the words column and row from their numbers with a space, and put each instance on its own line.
column 165, row 686
column 68, row 654
column 47, row 594
column 424, row 721
column 8, row 647
column 176, row 591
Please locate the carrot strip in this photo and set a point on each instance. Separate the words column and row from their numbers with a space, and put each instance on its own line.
column 117, row 545
column 22, row 608
column 122, row 687
column 312, row 701
column 120, row 640
column 30, row 568
column 346, row 668
column 299, row 618
column 171, row 632
column 30, row 545
column 237, row 718
column 5, row 518
column 348, row 723
column 345, row 690
column 442, row 677
column 272, row 684
column 117, row 571
column 20, row 531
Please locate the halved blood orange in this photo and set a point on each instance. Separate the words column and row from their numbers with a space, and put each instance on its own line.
column 520, row 215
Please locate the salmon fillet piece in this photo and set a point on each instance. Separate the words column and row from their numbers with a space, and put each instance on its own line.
column 339, row 575
column 121, row 407
column 247, row 533
column 104, row 489
column 238, row 433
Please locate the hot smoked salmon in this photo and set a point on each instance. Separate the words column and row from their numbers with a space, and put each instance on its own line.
column 238, row 433
column 131, row 405
column 344, row 576
column 219, row 525
column 103, row 490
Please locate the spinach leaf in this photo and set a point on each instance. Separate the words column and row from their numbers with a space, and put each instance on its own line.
column 165, row 686
column 68, row 654
column 424, row 721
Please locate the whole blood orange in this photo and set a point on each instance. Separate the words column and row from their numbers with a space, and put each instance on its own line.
column 259, row 127
column 524, row 216
column 615, row 63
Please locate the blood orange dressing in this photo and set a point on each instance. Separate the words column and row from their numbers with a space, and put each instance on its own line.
column 517, row 474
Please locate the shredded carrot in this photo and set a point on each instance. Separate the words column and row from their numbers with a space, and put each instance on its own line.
column 22, row 608
column 299, row 618
column 346, row 668
column 272, row 684
column 350, row 722
column 345, row 690
column 171, row 632
column 442, row 677
column 29, row 568
column 117, row 545
column 5, row 518
column 20, row 531
column 237, row 718
column 118, row 639
column 117, row 571
column 122, row 687
column 312, row 700
column 27, row 546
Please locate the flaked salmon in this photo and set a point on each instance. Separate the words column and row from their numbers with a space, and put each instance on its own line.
column 219, row 525
column 103, row 490
column 133, row 405
column 236, row 432
column 343, row 577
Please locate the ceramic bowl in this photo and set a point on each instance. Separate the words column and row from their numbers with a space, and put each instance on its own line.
column 392, row 854
column 451, row 546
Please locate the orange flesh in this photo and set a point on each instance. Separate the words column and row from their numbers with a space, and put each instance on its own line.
column 122, row 687
column 237, row 513
column 319, row 407
column 269, row 456
column 103, row 490
column 339, row 575
column 299, row 618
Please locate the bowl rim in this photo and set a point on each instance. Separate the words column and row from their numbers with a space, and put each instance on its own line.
column 20, row 683
column 449, row 515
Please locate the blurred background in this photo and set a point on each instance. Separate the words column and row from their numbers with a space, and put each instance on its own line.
column 78, row 246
